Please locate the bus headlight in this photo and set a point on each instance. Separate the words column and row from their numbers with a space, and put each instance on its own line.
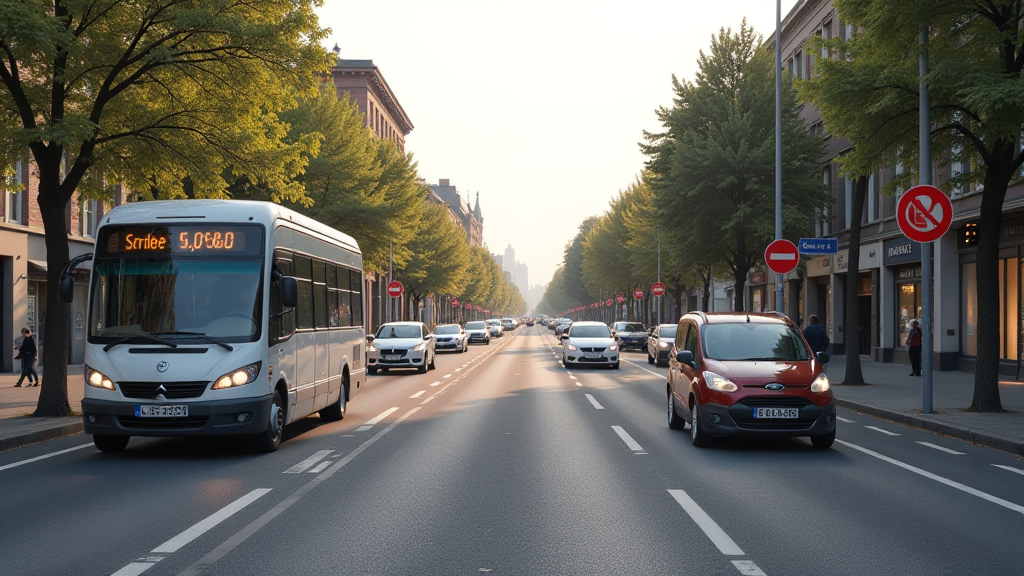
column 240, row 377
column 97, row 379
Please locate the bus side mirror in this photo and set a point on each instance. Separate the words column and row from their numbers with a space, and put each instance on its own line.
column 289, row 292
column 66, row 289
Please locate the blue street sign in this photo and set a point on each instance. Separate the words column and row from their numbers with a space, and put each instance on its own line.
column 818, row 246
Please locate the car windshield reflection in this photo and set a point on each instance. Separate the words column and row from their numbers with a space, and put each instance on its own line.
column 752, row 342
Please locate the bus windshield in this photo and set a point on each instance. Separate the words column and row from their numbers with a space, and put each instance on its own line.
column 168, row 295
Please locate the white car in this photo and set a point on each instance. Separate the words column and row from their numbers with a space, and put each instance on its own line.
column 477, row 331
column 497, row 330
column 589, row 343
column 400, row 345
column 450, row 337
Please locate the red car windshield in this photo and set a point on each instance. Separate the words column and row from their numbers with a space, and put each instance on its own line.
column 752, row 341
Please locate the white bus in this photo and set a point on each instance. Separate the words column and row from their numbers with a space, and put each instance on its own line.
column 210, row 317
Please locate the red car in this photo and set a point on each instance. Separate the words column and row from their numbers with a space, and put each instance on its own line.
column 740, row 374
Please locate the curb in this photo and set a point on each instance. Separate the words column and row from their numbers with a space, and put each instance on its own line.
column 1014, row 447
column 37, row 436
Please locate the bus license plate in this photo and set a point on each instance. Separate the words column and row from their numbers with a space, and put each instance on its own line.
column 776, row 412
column 158, row 411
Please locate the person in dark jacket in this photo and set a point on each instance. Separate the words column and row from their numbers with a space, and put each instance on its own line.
column 27, row 353
column 914, row 348
column 816, row 335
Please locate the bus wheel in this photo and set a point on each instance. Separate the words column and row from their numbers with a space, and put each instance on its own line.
column 105, row 443
column 269, row 440
column 336, row 411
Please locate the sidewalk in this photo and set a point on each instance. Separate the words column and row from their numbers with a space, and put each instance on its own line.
column 892, row 395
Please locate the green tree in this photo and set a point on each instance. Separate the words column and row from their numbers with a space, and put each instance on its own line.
column 478, row 284
column 149, row 94
column 713, row 168
column 870, row 97
column 572, row 285
column 606, row 255
column 439, row 257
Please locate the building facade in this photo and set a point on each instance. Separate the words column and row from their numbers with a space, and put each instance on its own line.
column 471, row 219
column 365, row 85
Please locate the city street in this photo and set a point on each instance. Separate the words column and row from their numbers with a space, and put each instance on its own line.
column 501, row 461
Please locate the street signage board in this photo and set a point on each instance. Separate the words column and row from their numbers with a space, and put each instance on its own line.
column 638, row 294
column 819, row 245
column 924, row 213
column 658, row 289
column 781, row 256
column 395, row 289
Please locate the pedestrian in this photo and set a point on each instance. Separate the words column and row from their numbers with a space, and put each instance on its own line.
column 27, row 354
column 816, row 335
column 914, row 348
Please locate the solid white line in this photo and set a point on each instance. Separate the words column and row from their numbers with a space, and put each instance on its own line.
column 847, row 420
column 369, row 423
column 320, row 467
column 1010, row 468
column 947, row 450
column 201, row 527
column 418, row 394
column 44, row 456
column 713, row 531
column 625, row 437
column 748, row 568
column 594, row 402
column 937, row 478
column 435, row 383
column 882, row 431
column 305, row 464
column 644, row 369
column 134, row 569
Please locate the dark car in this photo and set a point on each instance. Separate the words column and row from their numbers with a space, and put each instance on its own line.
column 661, row 344
column 630, row 335
column 747, row 374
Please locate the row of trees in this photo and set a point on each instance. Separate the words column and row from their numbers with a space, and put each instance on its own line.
column 209, row 99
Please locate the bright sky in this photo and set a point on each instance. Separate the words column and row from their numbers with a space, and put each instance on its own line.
column 538, row 105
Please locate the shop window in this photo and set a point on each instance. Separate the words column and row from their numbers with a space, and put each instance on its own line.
column 1009, row 309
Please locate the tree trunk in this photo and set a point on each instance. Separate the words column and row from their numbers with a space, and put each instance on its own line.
column 854, row 375
column 707, row 289
column 740, row 279
column 53, row 200
column 986, row 376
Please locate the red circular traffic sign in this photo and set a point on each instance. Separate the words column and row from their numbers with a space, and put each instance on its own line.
column 608, row 302
column 620, row 298
column 395, row 289
column 638, row 294
column 658, row 289
column 781, row 256
column 924, row 213
column 455, row 302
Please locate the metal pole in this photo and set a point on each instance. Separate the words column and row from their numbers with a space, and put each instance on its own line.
column 778, row 144
column 659, row 280
column 926, row 247
column 391, row 276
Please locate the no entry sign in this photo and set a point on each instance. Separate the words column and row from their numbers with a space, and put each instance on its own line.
column 924, row 213
column 395, row 289
column 781, row 256
column 658, row 289
column 638, row 294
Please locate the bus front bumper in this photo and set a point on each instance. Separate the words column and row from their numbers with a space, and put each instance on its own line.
column 222, row 417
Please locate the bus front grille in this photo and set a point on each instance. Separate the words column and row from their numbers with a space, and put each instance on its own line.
column 171, row 390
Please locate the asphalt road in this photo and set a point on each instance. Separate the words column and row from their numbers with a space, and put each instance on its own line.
column 503, row 462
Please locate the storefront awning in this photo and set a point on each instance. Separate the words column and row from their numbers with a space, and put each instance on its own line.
column 37, row 270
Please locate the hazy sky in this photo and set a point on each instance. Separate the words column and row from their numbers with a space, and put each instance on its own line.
column 537, row 105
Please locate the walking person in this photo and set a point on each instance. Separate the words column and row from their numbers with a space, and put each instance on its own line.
column 816, row 335
column 914, row 348
column 27, row 354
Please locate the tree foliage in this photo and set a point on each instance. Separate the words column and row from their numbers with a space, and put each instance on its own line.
column 439, row 255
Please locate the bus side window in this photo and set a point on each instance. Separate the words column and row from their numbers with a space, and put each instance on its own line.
column 304, row 277
column 282, row 326
column 356, row 286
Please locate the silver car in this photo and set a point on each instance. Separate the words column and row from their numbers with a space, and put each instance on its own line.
column 400, row 345
column 589, row 343
column 450, row 337
column 477, row 331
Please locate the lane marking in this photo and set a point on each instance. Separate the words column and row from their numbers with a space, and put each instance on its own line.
column 320, row 467
column 952, row 484
column 847, row 420
column 705, row 523
column 748, row 568
column 642, row 368
column 305, row 464
column 446, row 376
column 435, row 383
column 625, row 437
column 369, row 423
column 136, row 568
column 458, row 369
column 947, row 450
column 571, row 377
column 44, row 456
column 578, row 384
column 1010, row 468
column 418, row 394
column 876, row 429
column 594, row 402
column 201, row 527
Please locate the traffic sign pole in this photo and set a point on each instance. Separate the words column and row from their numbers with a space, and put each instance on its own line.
column 926, row 247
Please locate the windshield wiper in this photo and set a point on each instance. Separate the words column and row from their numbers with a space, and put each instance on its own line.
column 140, row 335
column 203, row 336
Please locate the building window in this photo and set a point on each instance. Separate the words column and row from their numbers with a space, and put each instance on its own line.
column 1009, row 326
column 13, row 194
column 798, row 60
column 848, row 202
column 872, row 202
column 87, row 217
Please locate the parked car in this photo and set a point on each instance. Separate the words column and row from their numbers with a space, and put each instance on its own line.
column 562, row 324
column 630, row 335
column 747, row 374
column 477, row 331
column 400, row 345
column 497, row 330
column 450, row 337
column 508, row 324
column 661, row 344
column 589, row 343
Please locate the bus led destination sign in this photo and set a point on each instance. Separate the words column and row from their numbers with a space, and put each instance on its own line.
column 184, row 239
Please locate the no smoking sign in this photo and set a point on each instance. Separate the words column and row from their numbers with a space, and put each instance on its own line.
column 924, row 213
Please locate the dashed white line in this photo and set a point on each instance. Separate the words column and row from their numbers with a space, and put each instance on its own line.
column 435, row 383
column 369, row 423
column 644, row 369
column 1010, row 468
column 136, row 568
column 305, row 464
column 201, row 527
column 876, row 429
column 45, row 456
column 418, row 394
column 947, row 450
column 748, row 568
column 847, row 420
column 578, row 384
column 594, row 402
column 709, row 526
column 629, row 441
column 937, row 478
column 446, row 376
